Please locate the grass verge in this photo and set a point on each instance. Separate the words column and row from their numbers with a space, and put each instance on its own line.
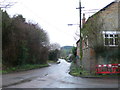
column 76, row 71
column 51, row 61
column 23, row 68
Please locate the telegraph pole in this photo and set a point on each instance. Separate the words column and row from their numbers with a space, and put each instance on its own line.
column 80, row 32
column 80, row 16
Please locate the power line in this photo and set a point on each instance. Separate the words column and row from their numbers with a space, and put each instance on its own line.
column 96, row 10
column 91, row 10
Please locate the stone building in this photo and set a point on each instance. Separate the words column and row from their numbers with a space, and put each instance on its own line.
column 101, row 37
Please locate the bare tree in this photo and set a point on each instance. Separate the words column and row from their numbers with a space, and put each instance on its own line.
column 54, row 46
column 6, row 4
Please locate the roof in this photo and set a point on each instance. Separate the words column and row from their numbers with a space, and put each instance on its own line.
column 103, row 9
column 100, row 11
column 78, row 41
column 107, row 6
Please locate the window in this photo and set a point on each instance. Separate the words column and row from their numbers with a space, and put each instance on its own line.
column 116, row 39
column 111, row 38
column 106, row 40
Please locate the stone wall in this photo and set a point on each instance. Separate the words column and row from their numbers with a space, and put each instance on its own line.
column 119, row 15
column 110, row 17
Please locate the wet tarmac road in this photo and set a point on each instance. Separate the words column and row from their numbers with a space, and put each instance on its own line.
column 55, row 76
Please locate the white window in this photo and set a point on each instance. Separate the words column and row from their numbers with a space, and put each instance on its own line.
column 111, row 38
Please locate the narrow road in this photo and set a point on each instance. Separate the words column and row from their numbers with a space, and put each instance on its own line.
column 55, row 76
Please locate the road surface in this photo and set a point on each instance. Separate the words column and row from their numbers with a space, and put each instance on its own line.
column 55, row 76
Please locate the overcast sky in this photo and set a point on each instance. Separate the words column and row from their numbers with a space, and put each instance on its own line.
column 54, row 15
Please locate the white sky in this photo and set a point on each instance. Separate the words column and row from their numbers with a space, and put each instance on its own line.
column 54, row 15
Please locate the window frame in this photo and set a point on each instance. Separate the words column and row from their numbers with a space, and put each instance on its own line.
column 111, row 35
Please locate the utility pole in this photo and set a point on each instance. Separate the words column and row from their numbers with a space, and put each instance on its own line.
column 80, row 16
column 80, row 32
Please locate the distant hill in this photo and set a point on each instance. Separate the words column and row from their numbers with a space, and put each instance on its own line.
column 67, row 47
column 66, row 50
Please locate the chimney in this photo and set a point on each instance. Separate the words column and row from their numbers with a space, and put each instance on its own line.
column 83, row 20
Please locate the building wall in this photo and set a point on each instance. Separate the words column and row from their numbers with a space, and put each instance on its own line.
column 78, row 49
column 89, row 58
column 119, row 14
column 109, row 18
